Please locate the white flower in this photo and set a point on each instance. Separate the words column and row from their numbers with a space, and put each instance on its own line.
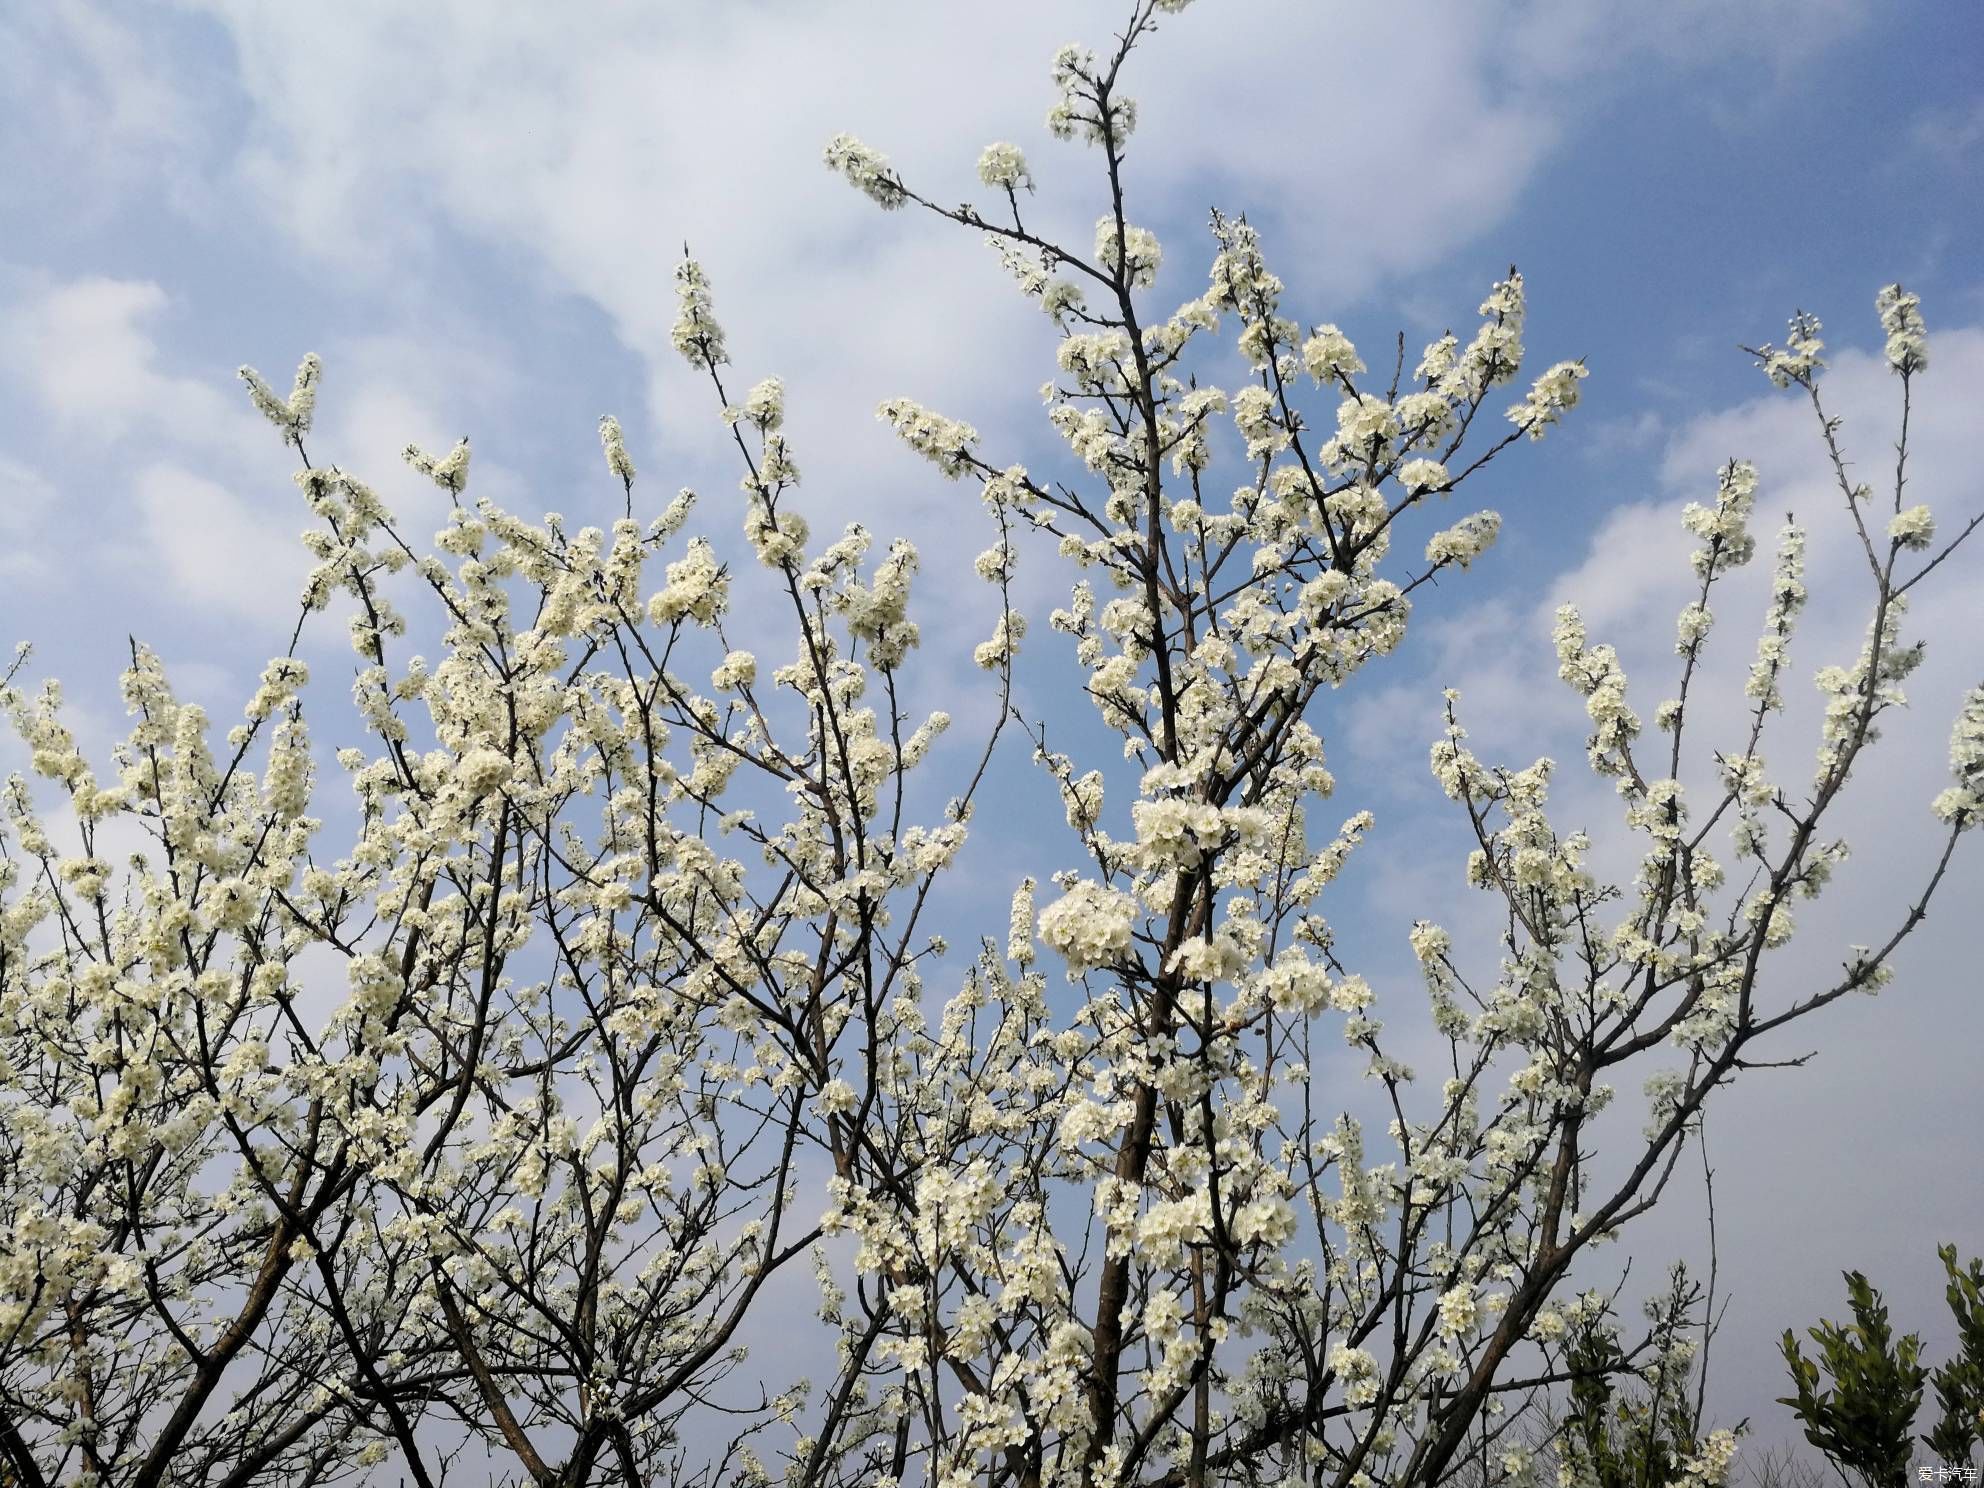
column 449, row 472
column 1089, row 927
column 1553, row 393
column 1429, row 942
column 1019, row 927
column 1908, row 337
column 617, row 459
column 697, row 588
column 738, row 669
column 1264, row 1221
column 1215, row 960
column 1351, row 994
column 1913, row 528
column 1359, row 1372
column 1963, row 803
column 1709, row 1466
column 1002, row 167
column 1799, row 361
column 292, row 414
column 1330, row 357
column 1465, row 541
column 481, row 771
column 1176, row 833
column 765, row 404
column 943, row 441
column 1136, row 253
column 1457, row 1311
column 866, row 170
column 1692, row 626
column 1422, row 475
column 1366, row 424
column 1295, row 984
column 1787, row 598
column 696, row 334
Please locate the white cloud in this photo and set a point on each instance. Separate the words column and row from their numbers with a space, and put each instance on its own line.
column 26, row 497
column 221, row 553
column 1952, row 134
column 108, row 113
column 85, row 352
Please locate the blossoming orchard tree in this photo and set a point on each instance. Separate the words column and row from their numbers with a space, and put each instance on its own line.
column 472, row 1136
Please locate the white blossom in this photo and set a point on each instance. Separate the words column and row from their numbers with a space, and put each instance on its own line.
column 867, row 170
column 1002, row 167
column 1089, row 927
column 1908, row 338
column 615, row 445
column 292, row 414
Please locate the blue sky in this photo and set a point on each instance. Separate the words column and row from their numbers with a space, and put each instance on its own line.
column 473, row 212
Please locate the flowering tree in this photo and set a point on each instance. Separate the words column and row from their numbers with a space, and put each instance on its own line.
column 482, row 1136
